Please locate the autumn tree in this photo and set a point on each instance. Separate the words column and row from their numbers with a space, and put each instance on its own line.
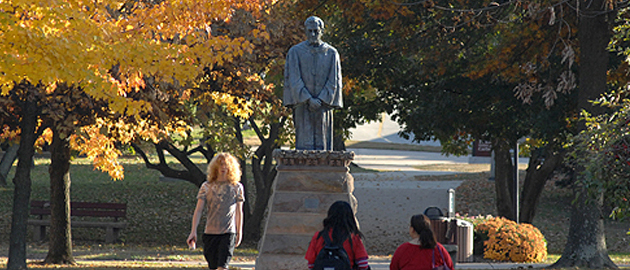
column 581, row 37
column 540, row 52
column 255, row 79
column 25, row 95
column 99, row 49
column 398, row 52
column 62, row 111
column 586, row 241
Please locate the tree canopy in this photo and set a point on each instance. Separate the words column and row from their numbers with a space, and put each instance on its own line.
column 461, row 70
column 129, row 64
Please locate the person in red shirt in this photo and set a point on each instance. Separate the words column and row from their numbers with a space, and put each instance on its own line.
column 341, row 226
column 423, row 251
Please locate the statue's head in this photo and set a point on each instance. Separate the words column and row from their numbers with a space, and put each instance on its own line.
column 314, row 30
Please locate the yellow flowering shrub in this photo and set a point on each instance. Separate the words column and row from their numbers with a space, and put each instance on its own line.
column 509, row 241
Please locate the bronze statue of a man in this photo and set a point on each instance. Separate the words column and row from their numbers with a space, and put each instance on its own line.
column 312, row 87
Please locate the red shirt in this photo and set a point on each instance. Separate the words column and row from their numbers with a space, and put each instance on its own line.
column 409, row 256
column 356, row 252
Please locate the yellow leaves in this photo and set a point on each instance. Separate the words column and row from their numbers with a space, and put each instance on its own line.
column 9, row 134
column 6, row 86
column 46, row 47
column 236, row 105
column 178, row 18
column 113, row 50
column 45, row 138
column 100, row 148
column 137, row 107
column 63, row 41
column 98, row 141
column 51, row 88
column 261, row 33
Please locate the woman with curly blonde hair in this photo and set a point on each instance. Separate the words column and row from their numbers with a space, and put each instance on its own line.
column 222, row 196
column 233, row 173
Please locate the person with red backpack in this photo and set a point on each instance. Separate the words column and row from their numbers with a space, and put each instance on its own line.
column 340, row 237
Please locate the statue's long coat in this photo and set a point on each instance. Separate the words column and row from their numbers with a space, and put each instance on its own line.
column 313, row 72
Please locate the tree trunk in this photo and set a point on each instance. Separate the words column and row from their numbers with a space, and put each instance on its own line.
column 504, row 176
column 264, row 172
column 586, row 242
column 7, row 161
column 338, row 143
column 539, row 170
column 264, row 181
column 22, row 191
column 60, row 242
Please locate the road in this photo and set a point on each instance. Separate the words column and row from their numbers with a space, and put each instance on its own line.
column 395, row 160
column 385, row 131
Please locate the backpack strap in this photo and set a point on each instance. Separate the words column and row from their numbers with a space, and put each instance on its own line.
column 441, row 256
column 353, row 255
column 327, row 240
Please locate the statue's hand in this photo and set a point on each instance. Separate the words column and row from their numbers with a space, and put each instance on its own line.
column 314, row 104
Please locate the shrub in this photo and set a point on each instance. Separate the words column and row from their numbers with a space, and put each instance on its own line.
column 509, row 241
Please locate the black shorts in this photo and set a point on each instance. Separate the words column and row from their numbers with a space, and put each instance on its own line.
column 218, row 249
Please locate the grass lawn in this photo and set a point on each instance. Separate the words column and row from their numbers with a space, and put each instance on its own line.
column 159, row 215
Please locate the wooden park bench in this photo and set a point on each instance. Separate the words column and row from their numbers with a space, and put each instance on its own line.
column 103, row 215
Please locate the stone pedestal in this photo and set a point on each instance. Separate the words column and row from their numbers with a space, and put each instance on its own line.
column 307, row 183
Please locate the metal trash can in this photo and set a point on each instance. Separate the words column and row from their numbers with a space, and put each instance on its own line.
column 439, row 223
column 461, row 239
column 464, row 239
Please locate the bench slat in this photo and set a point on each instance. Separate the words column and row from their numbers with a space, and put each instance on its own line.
column 98, row 205
column 83, row 213
column 84, row 209
column 88, row 224
column 93, row 213
column 36, row 211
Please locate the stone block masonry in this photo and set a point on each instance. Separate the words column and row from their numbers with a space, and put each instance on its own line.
column 307, row 183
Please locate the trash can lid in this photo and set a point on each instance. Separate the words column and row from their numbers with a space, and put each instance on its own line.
column 464, row 223
column 433, row 212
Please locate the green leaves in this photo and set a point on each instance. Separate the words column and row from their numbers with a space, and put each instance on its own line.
column 603, row 151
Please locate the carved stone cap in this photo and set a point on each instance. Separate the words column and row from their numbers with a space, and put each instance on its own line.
column 313, row 158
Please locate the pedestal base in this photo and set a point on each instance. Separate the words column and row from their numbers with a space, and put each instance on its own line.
column 307, row 183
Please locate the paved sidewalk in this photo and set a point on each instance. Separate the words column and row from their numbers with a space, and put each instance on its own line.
column 384, row 264
column 375, row 264
column 386, row 202
column 402, row 161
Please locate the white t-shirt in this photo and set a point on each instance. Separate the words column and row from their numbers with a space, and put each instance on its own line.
column 220, row 199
